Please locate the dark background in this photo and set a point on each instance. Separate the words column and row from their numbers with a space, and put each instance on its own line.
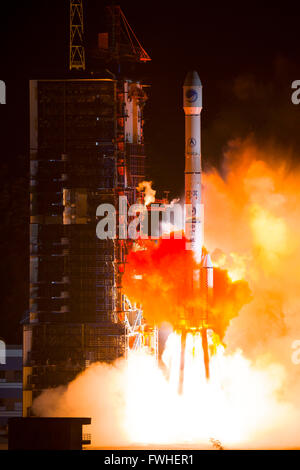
column 247, row 57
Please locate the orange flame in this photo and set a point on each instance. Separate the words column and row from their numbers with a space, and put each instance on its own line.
column 149, row 193
column 159, row 277
column 252, row 230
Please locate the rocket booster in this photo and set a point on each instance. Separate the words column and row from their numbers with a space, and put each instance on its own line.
column 192, row 105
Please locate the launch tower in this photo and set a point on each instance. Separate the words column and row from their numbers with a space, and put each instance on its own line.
column 86, row 148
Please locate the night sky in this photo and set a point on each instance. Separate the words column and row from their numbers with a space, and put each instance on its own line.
column 246, row 56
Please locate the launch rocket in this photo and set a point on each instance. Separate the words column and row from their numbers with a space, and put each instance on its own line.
column 192, row 105
column 194, row 212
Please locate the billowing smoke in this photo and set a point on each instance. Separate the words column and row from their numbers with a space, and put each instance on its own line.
column 252, row 230
column 258, row 239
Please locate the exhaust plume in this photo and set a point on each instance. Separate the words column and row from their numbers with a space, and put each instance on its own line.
column 252, row 231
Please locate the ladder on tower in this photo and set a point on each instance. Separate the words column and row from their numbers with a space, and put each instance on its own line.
column 77, row 50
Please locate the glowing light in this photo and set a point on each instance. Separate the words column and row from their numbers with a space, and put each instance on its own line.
column 252, row 228
column 149, row 193
column 235, row 406
column 270, row 233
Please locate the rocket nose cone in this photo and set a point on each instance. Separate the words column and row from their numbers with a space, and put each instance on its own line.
column 207, row 261
column 192, row 79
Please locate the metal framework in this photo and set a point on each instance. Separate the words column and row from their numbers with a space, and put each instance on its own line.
column 77, row 51
column 122, row 43
column 77, row 309
column 136, row 46
column 139, row 335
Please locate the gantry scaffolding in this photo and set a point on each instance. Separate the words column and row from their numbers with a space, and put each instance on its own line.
column 84, row 152
column 77, row 49
column 86, row 149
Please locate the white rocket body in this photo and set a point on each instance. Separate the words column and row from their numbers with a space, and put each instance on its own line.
column 194, row 210
column 202, row 277
column 192, row 105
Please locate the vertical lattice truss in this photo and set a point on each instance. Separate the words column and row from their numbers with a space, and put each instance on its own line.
column 77, row 51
